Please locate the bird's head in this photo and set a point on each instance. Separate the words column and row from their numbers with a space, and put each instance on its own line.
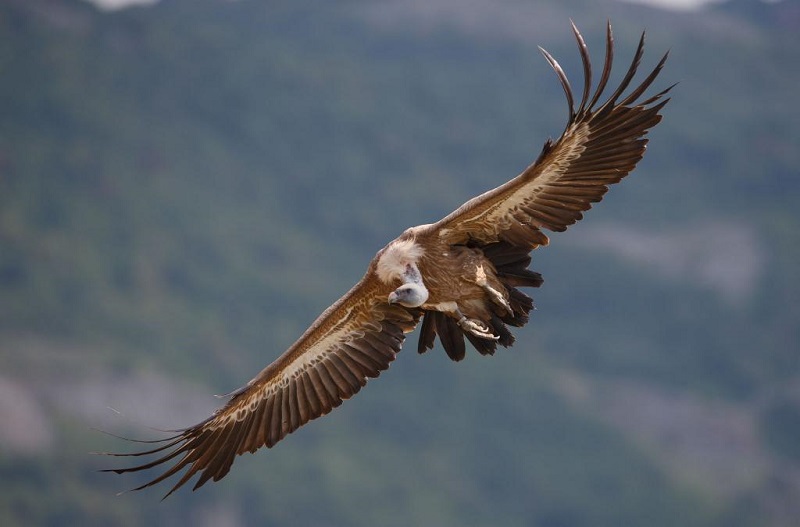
column 409, row 295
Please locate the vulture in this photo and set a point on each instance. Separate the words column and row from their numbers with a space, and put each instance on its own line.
column 459, row 276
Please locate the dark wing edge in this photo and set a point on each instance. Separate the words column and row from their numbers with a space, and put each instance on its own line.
column 600, row 145
column 299, row 386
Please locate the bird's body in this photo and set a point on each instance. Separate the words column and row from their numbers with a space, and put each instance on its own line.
column 460, row 276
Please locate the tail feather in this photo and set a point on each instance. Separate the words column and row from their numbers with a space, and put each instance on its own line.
column 450, row 335
column 427, row 332
column 520, row 277
column 483, row 346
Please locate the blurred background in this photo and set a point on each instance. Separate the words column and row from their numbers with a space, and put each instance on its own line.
column 186, row 184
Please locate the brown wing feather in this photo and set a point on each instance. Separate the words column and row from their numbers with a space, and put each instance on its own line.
column 600, row 145
column 355, row 339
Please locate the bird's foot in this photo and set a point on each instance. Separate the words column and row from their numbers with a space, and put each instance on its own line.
column 477, row 328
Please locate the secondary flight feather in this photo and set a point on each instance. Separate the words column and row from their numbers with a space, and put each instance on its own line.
column 460, row 276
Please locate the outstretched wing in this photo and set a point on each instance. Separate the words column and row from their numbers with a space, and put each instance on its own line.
column 600, row 145
column 354, row 339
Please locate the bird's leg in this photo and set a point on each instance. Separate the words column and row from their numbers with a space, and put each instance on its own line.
column 498, row 298
column 495, row 295
column 476, row 327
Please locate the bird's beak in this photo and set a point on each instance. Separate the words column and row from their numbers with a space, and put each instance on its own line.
column 392, row 297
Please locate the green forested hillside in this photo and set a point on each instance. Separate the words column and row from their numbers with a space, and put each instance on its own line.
column 185, row 187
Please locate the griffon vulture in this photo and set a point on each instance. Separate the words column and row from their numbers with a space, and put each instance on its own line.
column 460, row 276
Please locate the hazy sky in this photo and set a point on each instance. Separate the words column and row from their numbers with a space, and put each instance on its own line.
column 667, row 4
column 118, row 4
column 677, row 5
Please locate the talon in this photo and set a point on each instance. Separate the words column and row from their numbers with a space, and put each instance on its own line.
column 477, row 328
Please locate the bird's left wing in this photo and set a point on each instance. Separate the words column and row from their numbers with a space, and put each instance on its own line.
column 354, row 339
column 601, row 144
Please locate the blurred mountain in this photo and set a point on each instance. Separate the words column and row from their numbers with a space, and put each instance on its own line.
column 185, row 187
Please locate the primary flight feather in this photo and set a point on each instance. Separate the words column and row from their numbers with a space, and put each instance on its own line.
column 460, row 276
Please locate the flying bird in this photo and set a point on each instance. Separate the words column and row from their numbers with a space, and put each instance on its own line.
column 459, row 276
